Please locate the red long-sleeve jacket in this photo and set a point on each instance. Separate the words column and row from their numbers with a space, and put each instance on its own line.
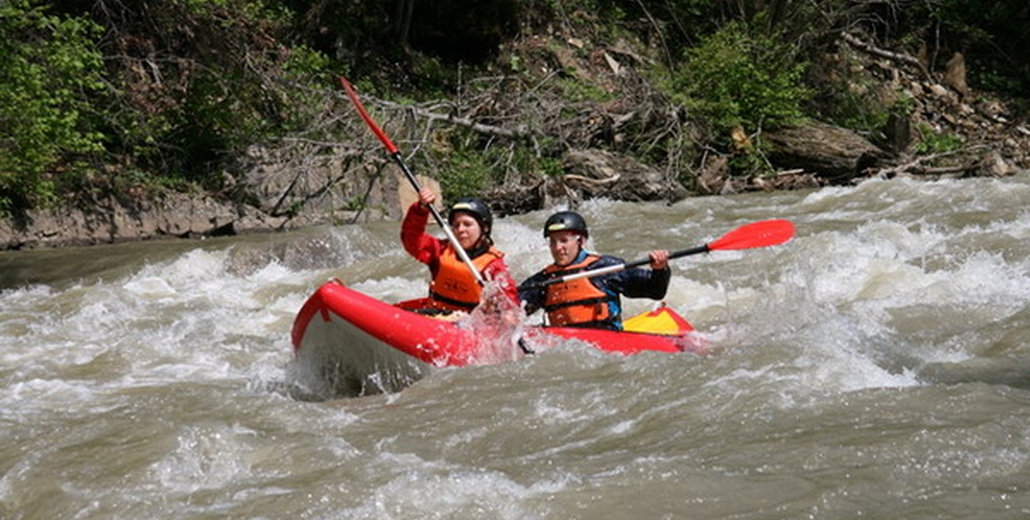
column 427, row 249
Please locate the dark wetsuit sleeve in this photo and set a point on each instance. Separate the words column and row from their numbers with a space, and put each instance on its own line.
column 640, row 282
column 532, row 296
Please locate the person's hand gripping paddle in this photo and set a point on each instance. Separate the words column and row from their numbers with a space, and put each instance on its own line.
column 749, row 236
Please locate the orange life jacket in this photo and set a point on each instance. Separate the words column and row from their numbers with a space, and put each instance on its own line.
column 577, row 302
column 454, row 287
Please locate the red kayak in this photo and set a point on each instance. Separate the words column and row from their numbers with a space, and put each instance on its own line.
column 358, row 345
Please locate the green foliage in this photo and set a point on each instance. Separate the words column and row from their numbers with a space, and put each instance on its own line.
column 860, row 110
column 856, row 111
column 251, row 95
column 236, row 85
column 932, row 142
column 577, row 91
column 527, row 158
column 1000, row 80
column 49, row 68
column 737, row 79
column 223, row 83
column 156, row 95
column 306, row 72
column 551, row 167
column 432, row 77
column 749, row 163
column 672, row 25
column 991, row 35
column 465, row 171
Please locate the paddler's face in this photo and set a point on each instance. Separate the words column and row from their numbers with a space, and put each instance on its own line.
column 564, row 246
column 466, row 229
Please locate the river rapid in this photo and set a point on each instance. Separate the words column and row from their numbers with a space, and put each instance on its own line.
column 876, row 366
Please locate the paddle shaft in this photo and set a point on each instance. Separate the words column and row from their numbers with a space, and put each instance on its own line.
column 756, row 234
column 620, row 267
column 396, row 154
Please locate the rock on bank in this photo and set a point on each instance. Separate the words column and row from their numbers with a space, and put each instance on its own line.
column 275, row 195
column 110, row 221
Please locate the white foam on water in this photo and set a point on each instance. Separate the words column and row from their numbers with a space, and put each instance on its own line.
column 442, row 493
column 879, row 281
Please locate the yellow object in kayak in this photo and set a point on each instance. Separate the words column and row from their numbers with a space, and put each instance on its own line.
column 662, row 320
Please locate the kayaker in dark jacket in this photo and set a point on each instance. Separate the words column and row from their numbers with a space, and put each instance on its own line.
column 593, row 301
column 453, row 286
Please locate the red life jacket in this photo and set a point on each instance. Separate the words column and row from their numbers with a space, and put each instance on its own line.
column 578, row 302
column 455, row 287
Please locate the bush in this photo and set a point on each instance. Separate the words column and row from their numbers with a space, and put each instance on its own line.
column 735, row 79
column 50, row 67
column 464, row 169
column 932, row 142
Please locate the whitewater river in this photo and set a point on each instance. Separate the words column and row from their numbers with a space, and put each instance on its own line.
column 877, row 366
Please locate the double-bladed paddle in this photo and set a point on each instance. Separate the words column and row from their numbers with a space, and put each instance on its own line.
column 756, row 234
column 396, row 154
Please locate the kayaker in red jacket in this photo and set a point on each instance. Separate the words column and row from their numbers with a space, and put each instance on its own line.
column 453, row 286
column 594, row 301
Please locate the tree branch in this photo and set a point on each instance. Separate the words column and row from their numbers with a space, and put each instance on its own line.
column 869, row 48
column 918, row 167
column 510, row 133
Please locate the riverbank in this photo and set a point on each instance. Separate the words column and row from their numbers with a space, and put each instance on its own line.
column 948, row 130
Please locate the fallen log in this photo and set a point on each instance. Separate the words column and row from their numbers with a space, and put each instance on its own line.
column 832, row 153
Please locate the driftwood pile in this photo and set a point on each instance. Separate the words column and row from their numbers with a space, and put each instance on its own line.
column 986, row 138
column 324, row 179
column 592, row 139
column 507, row 115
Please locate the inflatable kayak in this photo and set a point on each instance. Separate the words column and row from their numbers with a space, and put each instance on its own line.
column 346, row 343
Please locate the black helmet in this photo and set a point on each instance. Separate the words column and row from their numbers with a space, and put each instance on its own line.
column 477, row 209
column 566, row 221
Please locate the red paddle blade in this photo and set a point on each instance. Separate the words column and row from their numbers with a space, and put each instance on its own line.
column 390, row 147
column 757, row 234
